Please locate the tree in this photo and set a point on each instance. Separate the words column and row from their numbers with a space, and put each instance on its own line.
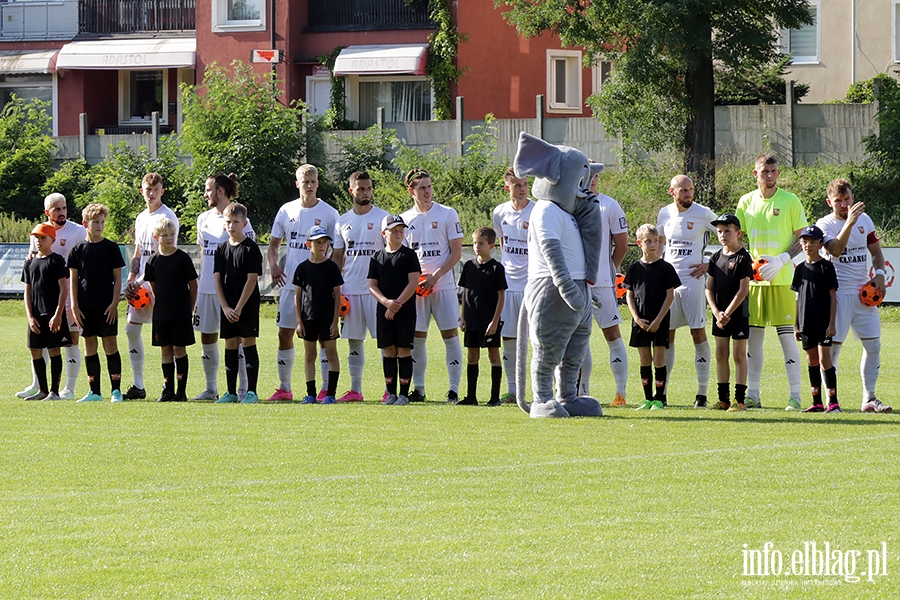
column 26, row 150
column 661, row 92
column 740, row 84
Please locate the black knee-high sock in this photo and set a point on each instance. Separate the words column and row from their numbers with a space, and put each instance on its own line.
column 168, row 370
column 831, row 385
column 740, row 392
column 723, row 390
column 389, row 368
column 333, row 377
column 40, row 369
column 815, row 383
column 661, row 375
column 231, row 370
column 114, row 366
column 92, row 366
column 56, row 369
column 251, row 359
column 472, row 381
column 496, row 377
column 405, row 368
column 181, row 370
column 647, row 381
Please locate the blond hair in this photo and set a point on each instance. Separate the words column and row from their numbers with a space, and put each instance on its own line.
column 235, row 209
column 645, row 231
column 52, row 198
column 306, row 169
column 92, row 211
column 163, row 225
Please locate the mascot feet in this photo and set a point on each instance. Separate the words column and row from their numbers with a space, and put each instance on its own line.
column 582, row 406
column 550, row 409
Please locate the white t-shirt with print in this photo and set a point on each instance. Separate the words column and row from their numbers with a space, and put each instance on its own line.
column 429, row 234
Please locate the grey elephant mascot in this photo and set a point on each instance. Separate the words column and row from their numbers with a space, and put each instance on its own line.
column 564, row 236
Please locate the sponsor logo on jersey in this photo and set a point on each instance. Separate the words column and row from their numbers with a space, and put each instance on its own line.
column 351, row 244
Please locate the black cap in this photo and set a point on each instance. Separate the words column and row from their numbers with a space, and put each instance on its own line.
column 812, row 232
column 391, row 221
column 727, row 219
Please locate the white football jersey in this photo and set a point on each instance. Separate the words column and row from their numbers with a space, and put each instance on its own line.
column 429, row 234
column 614, row 222
column 143, row 232
column 554, row 223
column 687, row 234
column 292, row 224
column 210, row 233
column 511, row 226
column 67, row 237
column 360, row 237
column 852, row 265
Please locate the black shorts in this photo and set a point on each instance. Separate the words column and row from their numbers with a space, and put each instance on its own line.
column 95, row 324
column 48, row 339
column 738, row 328
column 399, row 333
column 645, row 339
column 173, row 332
column 246, row 327
column 478, row 339
column 816, row 338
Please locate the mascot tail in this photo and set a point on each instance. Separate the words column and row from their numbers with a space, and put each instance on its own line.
column 522, row 359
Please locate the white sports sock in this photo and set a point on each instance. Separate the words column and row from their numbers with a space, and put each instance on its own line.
column 755, row 361
column 73, row 366
column 285, row 360
column 670, row 363
column 356, row 361
column 136, row 352
column 454, row 361
column 323, row 367
column 509, row 364
column 701, row 360
column 618, row 363
column 587, row 365
column 791, row 358
column 870, row 366
column 420, row 362
column 242, row 372
column 210, row 361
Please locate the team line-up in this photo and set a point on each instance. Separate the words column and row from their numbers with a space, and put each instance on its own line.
column 387, row 275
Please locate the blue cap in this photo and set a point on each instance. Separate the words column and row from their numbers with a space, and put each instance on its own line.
column 316, row 233
column 812, row 232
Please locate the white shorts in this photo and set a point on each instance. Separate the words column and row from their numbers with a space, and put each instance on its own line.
column 512, row 305
column 141, row 315
column 207, row 314
column 851, row 312
column 689, row 307
column 287, row 313
column 360, row 318
column 609, row 314
column 444, row 305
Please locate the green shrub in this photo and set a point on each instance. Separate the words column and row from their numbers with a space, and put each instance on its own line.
column 14, row 230
column 25, row 154
column 73, row 180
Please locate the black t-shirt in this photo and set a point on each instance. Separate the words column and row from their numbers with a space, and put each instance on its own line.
column 95, row 263
column 650, row 282
column 171, row 275
column 813, row 283
column 43, row 273
column 233, row 263
column 727, row 271
column 391, row 270
column 481, row 282
column 317, row 282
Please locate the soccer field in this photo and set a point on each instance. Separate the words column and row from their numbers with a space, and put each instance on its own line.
column 195, row 500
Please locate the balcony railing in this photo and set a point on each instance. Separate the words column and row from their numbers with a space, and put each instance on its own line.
column 133, row 16
column 359, row 15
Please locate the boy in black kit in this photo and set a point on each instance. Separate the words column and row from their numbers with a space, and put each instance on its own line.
column 816, row 284
column 96, row 286
column 317, row 303
column 46, row 291
column 650, row 285
column 237, row 267
column 727, row 287
column 173, row 279
column 484, row 280
column 393, row 277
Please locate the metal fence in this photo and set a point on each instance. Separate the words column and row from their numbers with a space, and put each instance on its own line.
column 129, row 16
column 350, row 15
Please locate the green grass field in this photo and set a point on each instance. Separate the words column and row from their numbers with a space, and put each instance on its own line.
column 149, row 500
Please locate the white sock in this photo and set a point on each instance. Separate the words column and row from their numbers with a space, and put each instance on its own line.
column 869, row 366
column 73, row 366
column 791, row 358
column 670, row 363
column 356, row 360
column 420, row 362
column 323, row 367
column 454, row 361
column 509, row 364
column 136, row 352
column 701, row 359
column 755, row 361
column 210, row 361
column 242, row 372
column 618, row 363
column 285, row 360
column 587, row 365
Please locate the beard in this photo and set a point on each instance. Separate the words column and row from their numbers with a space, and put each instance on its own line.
column 364, row 202
column 61, row 220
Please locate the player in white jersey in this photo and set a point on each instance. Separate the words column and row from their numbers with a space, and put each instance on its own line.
column 850, row 238
column 292, row 223
column 219, row 191
column 68, row 234
column 358, row 238
column 612, row 250
column 434, row 232
column 684, row 227
column 511, row 225
column 145, row 244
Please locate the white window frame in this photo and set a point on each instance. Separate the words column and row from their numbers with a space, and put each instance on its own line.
column 352, row 89
column 895, row 31
column 573, row 103
column 221, row 24
column 125, row 99
column 815, row 5
column 598, row 79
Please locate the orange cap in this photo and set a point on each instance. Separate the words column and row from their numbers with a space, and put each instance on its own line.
column 44, row 229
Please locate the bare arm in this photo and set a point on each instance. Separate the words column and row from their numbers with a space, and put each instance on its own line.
column 337, row 255
column 670, row 297
column 272, row 258
column 831, row 328
column 878, row 263
column 621, row 248
column 447, row 266
column 836, row 246
column 73, row 294
column 495, row 321
column 56, row 320
column 112, row 311
column 192, row 288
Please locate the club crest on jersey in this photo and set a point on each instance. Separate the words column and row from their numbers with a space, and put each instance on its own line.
column 434, row 224
column 861, row 230
column 731, row 265
column 690, row 224
column 525, row 225
column 318, row 222
column 62, row 242
column 776, row 211
column 369, row 226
